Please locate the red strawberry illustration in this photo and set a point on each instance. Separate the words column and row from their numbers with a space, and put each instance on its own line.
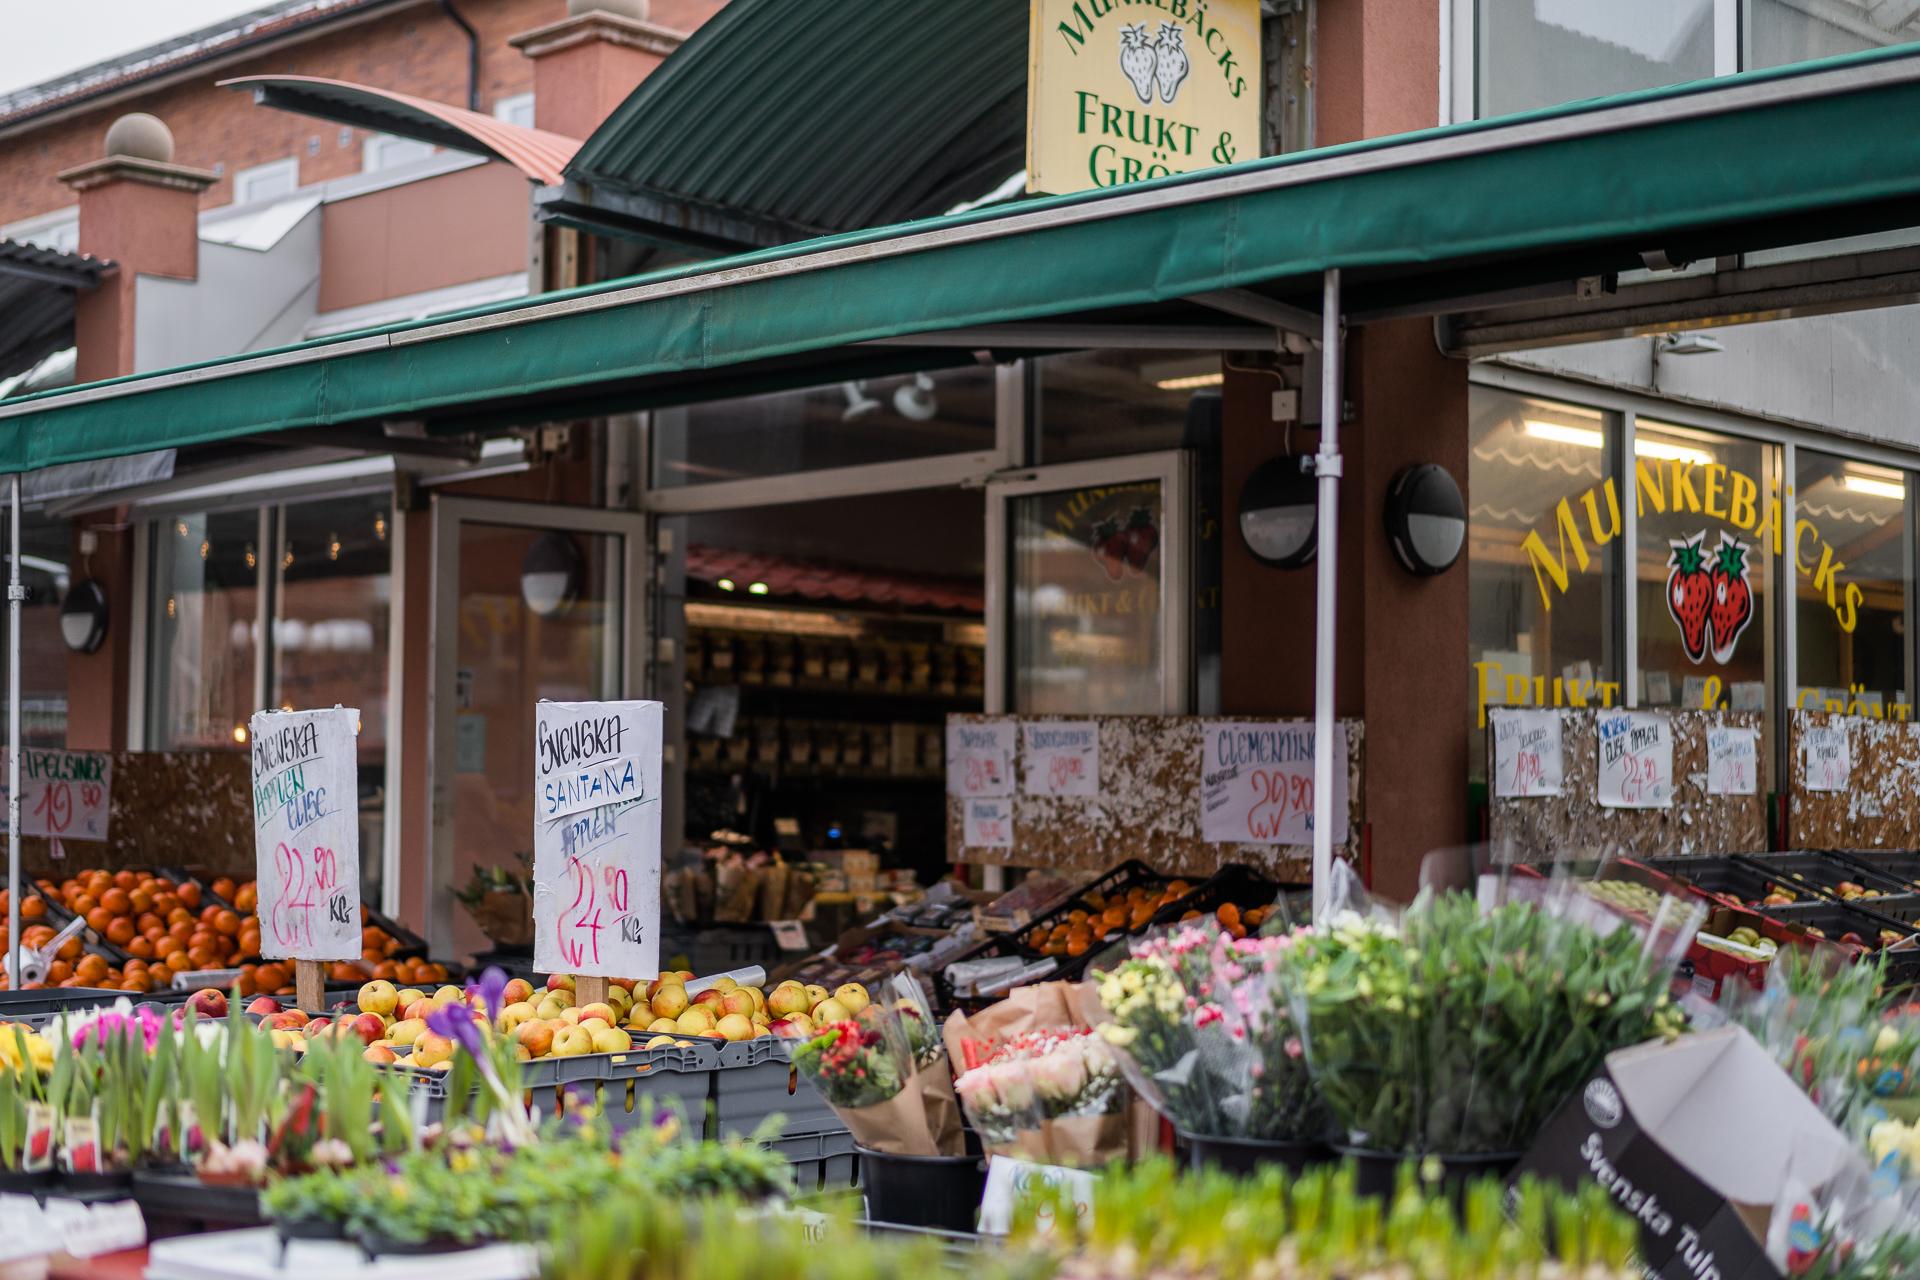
column 1109, row 548
column 1139, row 538
column 1732, row 596
column 1690, row 595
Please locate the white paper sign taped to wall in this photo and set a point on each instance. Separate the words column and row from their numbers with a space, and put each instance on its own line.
column 1636, row 759
column 1527, row 759
column 596, row 838
column 1733, row 762
column 1256, row 783
column 1061, row 757
column 1826, row 757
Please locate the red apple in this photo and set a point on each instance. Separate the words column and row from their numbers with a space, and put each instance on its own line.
column 263, row 1005
column 369, row 1026
column 318, row 1025
column 712, row 997
column 208, row 1002
column 287, row 1020
column 418, row 1009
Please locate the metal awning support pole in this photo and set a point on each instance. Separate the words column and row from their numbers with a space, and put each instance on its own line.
column 1326, row 466
column 15, row 595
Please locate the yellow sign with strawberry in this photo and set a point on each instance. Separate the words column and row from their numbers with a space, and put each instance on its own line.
column 1120, row 91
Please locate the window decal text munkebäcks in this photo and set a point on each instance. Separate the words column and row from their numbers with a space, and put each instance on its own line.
column 1123, row 90
column 1709, row 591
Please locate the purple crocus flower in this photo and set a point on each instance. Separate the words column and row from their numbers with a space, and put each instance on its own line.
column 492, row 989
column 455, row 1022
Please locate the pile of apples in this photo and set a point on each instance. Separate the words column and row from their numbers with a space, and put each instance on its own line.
column 546, row 1022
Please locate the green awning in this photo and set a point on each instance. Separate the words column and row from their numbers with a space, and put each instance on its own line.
column 777, row 121
column 1417, row 222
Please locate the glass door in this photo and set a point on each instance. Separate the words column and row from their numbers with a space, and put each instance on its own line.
column 1089, row 588
column 531, row 602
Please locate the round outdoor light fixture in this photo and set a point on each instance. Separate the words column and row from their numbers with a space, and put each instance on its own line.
column 1279, row 512
column 1426, row 519
column 83, row 617
column 550, row 575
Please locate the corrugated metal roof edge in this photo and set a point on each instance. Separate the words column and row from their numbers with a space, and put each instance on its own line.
column 532, row 307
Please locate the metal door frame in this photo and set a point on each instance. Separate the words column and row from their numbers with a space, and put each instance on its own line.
column 449, row 514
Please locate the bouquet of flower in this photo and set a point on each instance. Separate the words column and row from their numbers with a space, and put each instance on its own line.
column 1055, row 1094
column 865, row 1068
column 1458, row 1030
column 1203, row 1022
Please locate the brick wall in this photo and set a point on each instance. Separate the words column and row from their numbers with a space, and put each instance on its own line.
column 415, row 50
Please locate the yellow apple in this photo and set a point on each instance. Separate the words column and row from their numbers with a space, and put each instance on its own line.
column 853, row 996
column 406, row 1031
column 379, row 1053
column 517, row 990
column 593, row 1024
column 830, row 1010
column 611, row 1040
column 735, row 1027
column 449, row 995
column 548, row 1009
column 669, row 1001
column 724, row 984
column 663, row 1026
column 759, row 997
column 736, row 1001
column 571, row 1042
column 431, row 1048
column 601, row 1010
column 559, row 982
column 694, row 1022
column 407, row 995
column 536, row 1037
column 660, row 1042
column 788, row 999
column 816, row 993
column 378, row 997
column 515, row 1014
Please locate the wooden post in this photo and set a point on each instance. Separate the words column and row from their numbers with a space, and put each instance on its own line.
column 310, row 986
column 588, row 991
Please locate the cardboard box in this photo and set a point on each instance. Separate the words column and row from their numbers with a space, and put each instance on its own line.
column 1696, row 1140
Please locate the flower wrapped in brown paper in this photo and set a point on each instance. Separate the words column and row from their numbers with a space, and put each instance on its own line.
column 865, row 1069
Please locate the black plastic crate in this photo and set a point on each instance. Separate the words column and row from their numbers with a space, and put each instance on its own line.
column 823, row 1160
column 17, row 1006
column 1835, row 920
column 1235, row 883
column 1729, row 878
column 757, row 1079
column 720, row 948
column 623, row 1088
column 1822, row 872
column 1899, row 864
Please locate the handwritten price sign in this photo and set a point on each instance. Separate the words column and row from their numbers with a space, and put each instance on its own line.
column 63, row 794
column 1256, row 783
column 1527, row 757
column 1733, row 762
column 306, row 833
column 1061, row 757
column 596, row 838
column 1826, row 757
column 1636, row 760
column 980, row 758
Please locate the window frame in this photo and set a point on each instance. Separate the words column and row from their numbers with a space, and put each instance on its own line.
column 505, row 108
column 376, row 143
column 243, row 178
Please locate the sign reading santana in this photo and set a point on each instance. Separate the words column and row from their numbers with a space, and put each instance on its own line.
column 1123, row 90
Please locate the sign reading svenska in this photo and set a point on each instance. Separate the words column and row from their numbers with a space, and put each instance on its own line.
column 1123, row 90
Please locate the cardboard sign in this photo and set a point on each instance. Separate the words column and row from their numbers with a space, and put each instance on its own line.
column 1526, row 753
column 1670, row 1131
column 1256, row 783
column 1061, row 757
column 596, row 838
column 306, row 833
column 987, row 823
column 1826, row 758
column 1117, row 93
column 1636, row 759
column 1733, row 762
column 790, row 935
column 980, row 758
column 1009, row 1180
column 64, row 795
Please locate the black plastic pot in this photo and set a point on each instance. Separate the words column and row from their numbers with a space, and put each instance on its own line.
column 1378, row 1170
column 1248, row 1155
column 18, row 1182
column 923, row 1191
column 378, row 1246
column 113, row 1184
column 287, row 1230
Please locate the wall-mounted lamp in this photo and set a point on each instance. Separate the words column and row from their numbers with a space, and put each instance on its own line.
column 550, row 575
column 1279, row 513
column 83, row 616
column 1426, row 519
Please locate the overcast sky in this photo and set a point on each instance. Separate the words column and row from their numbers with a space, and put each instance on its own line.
column 47, row 38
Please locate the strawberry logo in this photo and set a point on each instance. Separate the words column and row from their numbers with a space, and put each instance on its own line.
column 1690, row 595
column 1732, row 596
column 1169, row 61
column 1137, row 59
column 1711, row 605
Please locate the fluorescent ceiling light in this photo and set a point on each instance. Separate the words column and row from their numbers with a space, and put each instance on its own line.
column 1591, row 438
column 1878, row 488
column 1191, row 381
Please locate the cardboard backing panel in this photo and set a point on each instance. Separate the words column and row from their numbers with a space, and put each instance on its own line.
column 1880, row 808
column 1148, row 806
column 1575, row 819
column 167, row 808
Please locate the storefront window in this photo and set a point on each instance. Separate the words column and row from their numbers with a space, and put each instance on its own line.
column 332, row 598
column 1101, row 404
column 1086, row 573
column 1535, row 53
column 205, row 593
column 46, row 546
column 1776, row 32
column 1543, row 520
column 1853, row 574
column 1709, row 508
column 892, row 419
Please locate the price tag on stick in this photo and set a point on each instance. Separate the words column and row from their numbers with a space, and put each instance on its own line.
column 596, row 838
column 306, row 837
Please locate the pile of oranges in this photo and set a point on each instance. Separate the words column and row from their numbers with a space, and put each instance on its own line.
column 1104, row 918
column 1233, row 920
column 164, row 927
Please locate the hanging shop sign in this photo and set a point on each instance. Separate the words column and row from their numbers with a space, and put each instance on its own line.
column 1123, row 90
column 306, row 832
column 1709, row 583
column 596, row 838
